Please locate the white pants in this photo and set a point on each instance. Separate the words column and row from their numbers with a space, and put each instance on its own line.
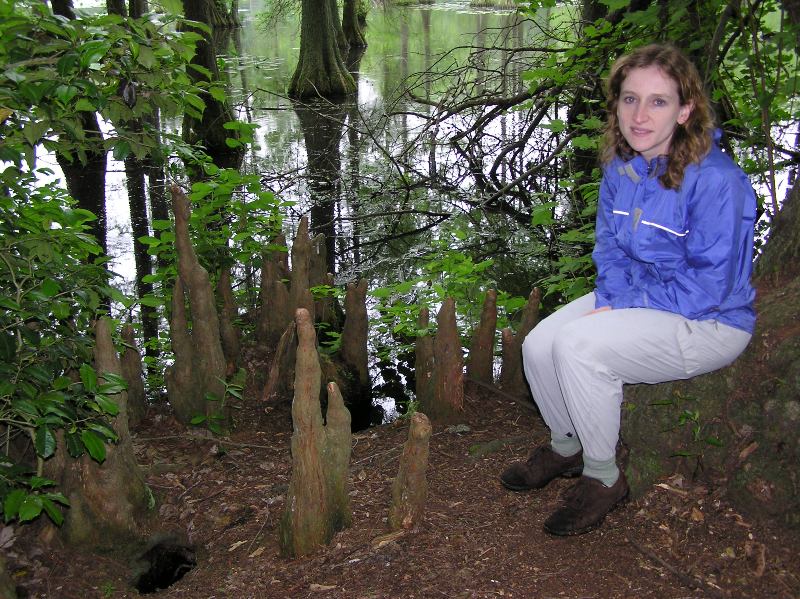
column 576, row 364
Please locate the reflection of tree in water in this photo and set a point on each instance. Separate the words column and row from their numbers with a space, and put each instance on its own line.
column 322, row 122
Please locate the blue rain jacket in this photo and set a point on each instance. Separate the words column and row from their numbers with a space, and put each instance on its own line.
column 688, row 251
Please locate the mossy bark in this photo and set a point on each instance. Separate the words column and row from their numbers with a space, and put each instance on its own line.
column 109, row 502
column 351, row 25
column 448, row 367
column 320, row 70
column 735, row 428
column 410, row 487
column 305, row 525
column 512, row 377
column 131, row 365
column 480, row 363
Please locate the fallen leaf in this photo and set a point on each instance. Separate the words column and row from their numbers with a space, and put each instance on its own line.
column 236, row 545
column 697, row 515
column 321, row 587
column 745, row 453
column 257, row 552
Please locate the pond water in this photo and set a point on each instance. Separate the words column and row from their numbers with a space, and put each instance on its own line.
column 259, row 63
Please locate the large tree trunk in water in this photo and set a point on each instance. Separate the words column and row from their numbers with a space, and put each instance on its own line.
column 742, row 432
column 209, row 131
column 320, row 69
column 351, row 26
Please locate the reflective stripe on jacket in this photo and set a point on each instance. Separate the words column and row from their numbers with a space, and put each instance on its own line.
column 688, row 251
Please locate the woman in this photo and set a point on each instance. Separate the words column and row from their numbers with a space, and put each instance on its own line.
column 673, row 251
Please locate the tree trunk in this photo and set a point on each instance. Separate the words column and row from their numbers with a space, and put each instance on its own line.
column 131, row 365
column 736, row 427
column 448, row 367
column 137, row 201
column 352, row 26
column 209, row 130
column 320, row 71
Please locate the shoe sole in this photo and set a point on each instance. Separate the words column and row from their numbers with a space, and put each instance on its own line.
column 580, row 531
column 571, row 473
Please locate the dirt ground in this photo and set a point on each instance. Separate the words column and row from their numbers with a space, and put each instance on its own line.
column 478, row 540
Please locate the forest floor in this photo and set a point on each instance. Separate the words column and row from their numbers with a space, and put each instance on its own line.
column 225, row 498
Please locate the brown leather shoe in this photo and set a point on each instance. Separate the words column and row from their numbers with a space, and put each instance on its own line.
column 585, row 506
column 542, row 466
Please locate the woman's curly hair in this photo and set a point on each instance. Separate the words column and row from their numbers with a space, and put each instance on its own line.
column 691, row 141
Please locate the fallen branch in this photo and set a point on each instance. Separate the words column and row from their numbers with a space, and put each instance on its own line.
column 515, row 398
column 685, row 579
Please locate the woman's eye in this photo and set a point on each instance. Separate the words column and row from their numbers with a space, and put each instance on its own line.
column 659, row 102
column 628, row 99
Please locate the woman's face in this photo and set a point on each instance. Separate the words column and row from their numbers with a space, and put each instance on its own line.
column 649, row 109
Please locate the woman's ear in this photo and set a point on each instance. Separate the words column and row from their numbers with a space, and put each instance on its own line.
column 684, row 112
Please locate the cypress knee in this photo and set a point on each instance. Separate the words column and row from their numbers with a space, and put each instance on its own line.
column 108, row 500
column 481, row 353
column 423, row 362
column 181, row 377
column 512, row 378
column 448, row 367
column 275, row 315
column 338, row 446
column 281, row 373
column 131, row 364
column 305, row 525
column 230, row 335
column 300, row 293
column 208, row 359
column 410, row 488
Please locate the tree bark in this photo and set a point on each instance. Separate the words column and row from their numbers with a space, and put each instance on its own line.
column 423, row 362
column 131, row 365
column 320, row 70
column 209, row 131
column 512, row 377
column 207, row 359
column 305, row 526
column 108, row 501
column 410, row 487
column 351, row 25
column 742, row 429
column 448, row 367
column 338, row 447
column 480, row 364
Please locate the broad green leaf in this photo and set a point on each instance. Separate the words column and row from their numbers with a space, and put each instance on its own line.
column 12, row 503
column 94, row 445
column 45, row 442
column 31, row 507
column 88, row 378
column 53, row 511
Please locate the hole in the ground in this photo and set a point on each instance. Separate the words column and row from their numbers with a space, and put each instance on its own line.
column 163, row 565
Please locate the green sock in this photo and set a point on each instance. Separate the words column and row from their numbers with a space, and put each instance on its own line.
column 565, row 446
column 605, row 471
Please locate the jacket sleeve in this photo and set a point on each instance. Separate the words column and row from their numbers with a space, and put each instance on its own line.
column 718, row 210
column 612, row 285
